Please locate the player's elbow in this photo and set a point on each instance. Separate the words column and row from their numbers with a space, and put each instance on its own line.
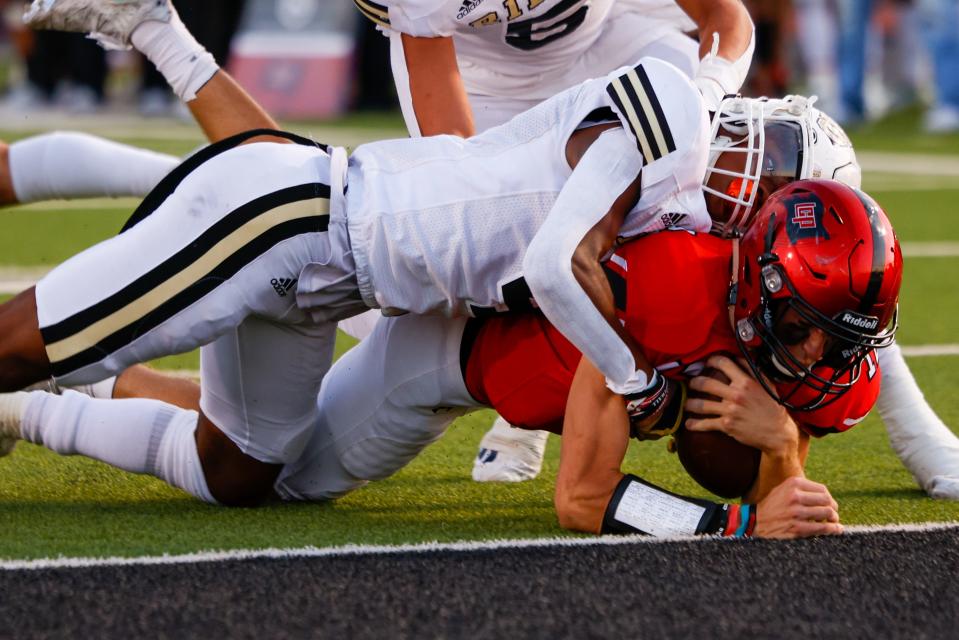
column 543, row 270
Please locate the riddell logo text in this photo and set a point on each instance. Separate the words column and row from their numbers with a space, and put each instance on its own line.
column 858, row 321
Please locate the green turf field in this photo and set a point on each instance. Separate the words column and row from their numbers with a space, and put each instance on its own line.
column 51, row 505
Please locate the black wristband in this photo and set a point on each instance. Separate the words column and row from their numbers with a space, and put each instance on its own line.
column 610, row 523
column 712, row 521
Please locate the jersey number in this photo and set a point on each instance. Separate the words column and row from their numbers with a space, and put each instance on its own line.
column 533, row 33
column 537, row 32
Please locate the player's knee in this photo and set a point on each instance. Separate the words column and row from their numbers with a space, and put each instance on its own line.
column 240, row 493
column 233, row 478
column 23, row 358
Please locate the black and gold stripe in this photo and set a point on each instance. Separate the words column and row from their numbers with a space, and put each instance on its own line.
column 633, row 95
column 233, row 242
column 172, row 180
column 378, row 13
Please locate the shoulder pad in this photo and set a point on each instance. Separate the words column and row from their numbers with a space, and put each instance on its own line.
column 657, row 104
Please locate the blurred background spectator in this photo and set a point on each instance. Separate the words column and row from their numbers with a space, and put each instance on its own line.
column 55, row 68
column 317, row 58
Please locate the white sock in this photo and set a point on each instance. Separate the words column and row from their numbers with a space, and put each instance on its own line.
column 138, row 435
column 77, row 165
column 183, row 61
column 925, row 445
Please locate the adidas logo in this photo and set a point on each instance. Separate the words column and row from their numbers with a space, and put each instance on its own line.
column 672, row 219
column 282, row 286
column 466, row 8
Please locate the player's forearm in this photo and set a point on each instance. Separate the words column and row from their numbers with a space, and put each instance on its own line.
column 727, row 42
column 595, row 439
column 220, row 106
column 436, row 88
column 776, row 467
column 222, row 109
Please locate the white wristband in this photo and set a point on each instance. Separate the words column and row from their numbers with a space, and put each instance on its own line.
column 636, row 383
column 183, row 61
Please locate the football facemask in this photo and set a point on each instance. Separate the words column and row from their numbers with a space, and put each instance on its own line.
column 761, row 144
column 820, row 256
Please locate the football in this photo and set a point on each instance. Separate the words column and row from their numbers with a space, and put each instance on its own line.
column 719, row 463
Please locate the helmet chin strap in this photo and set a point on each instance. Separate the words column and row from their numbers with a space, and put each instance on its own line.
column 733, row 286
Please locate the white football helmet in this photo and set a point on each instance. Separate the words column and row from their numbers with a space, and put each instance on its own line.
column 761, row 144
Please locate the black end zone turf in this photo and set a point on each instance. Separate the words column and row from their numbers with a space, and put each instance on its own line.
column 867, row 585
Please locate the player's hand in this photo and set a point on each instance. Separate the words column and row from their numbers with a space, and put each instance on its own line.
column 667, row 416
column 797, row 508
column 743, row 410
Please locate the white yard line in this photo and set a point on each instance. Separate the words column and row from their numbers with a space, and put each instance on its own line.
column 926, row 350
column 916, row 164
column 930, row 249
column 425, row 547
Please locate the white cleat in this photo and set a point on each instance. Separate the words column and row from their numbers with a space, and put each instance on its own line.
column 11, row 411
column 110, row 22
column 509, row 454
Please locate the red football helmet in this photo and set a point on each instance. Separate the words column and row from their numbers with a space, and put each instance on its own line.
column 827, row 252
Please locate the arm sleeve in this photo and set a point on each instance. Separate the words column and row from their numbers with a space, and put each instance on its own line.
column 606, row 170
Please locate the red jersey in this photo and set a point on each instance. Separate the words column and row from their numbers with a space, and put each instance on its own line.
column 671, row 290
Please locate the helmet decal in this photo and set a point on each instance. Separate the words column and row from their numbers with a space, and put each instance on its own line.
column 805, row 218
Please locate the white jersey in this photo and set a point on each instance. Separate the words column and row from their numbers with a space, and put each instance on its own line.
column 526, row 47
column 442, row 224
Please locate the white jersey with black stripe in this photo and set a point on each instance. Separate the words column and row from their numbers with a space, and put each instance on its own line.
column 441, row 224
column 525, row 47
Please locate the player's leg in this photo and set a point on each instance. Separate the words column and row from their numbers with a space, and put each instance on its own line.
column 140, row 381
column 23, row 358
column 925, row 445
column 380, row 405
column 262, row 369
column 140, row 436
column 77, row 165
column 260, row 381
column 259, row 385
